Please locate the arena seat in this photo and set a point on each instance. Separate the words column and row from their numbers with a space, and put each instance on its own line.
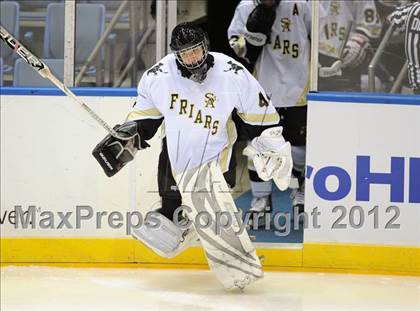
column 89, row 28
column 111, row 7
column 25, row 75
column 9, row 18
column 34, row 10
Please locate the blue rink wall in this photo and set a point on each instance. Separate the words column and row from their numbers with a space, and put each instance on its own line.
column 362, row 186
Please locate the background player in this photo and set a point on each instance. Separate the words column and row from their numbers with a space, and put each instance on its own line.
column 194, row 92
column 275, row 36
column 348, row 29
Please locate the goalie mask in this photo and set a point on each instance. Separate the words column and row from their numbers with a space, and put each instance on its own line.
column 191, row 48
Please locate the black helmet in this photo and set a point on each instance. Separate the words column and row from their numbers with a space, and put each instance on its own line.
column 268, row 3
column 191, row 47
column 392, row 3
column 386, row 7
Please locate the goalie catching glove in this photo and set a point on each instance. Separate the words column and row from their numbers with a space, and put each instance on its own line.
column 272, row 157
column 113, row 153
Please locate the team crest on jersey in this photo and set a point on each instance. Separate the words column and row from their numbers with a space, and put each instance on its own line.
column 210, row 100
column 156, row 69
column 285, row 24
column 234, row 67
column 335, row 7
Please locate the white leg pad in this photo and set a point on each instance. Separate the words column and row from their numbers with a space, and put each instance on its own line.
column 166, row 239
column 230, row 252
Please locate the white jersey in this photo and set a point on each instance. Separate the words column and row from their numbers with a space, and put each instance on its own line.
column 339, row 18
column 197, row 117
column 283, row 65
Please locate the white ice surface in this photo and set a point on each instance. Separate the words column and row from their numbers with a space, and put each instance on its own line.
column 47, row 288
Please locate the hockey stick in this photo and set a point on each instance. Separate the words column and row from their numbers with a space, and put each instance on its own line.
column 46, row 73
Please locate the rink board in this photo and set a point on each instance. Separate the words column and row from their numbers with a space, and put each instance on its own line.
column 52, row 172
column 335, row 257
column 363, row 169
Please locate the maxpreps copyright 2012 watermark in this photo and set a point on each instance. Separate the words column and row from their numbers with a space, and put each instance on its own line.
column 281, row 223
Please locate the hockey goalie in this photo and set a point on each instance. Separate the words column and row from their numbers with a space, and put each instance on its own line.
column 194, row 92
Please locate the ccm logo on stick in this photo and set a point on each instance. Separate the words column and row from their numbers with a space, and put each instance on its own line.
column 364, row 178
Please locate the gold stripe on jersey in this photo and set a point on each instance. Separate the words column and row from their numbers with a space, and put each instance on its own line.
column 163, row 129
column 226, row 153
column 152, row 113
column 260, row 119
column 328, row 49
column 302, row 101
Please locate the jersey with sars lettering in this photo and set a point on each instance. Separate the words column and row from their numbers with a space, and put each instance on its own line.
column 197, row 116
column 339, row 18
column 282, row 68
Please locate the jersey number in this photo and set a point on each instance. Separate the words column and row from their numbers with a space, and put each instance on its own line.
column 371, row 17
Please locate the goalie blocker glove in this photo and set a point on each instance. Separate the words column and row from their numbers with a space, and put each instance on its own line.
column 113, row 154
column 258, row 25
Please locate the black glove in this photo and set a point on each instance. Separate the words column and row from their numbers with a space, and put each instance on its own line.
column 259, row 25
column 113, row 153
